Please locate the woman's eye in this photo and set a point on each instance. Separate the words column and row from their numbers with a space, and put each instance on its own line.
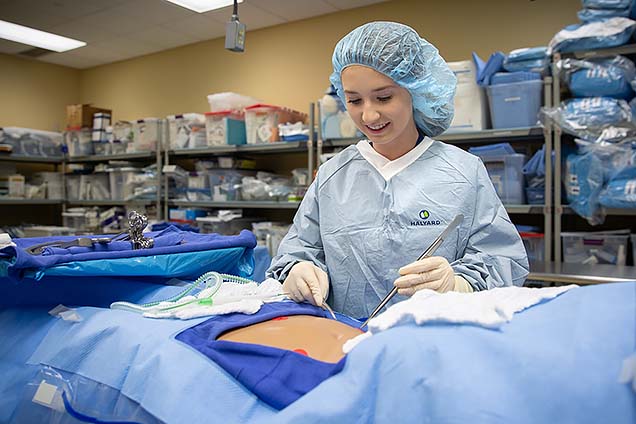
column 384, row 99
column 353, row 101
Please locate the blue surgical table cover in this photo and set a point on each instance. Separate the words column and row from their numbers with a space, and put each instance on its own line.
column 118, row 258
column 558, row 361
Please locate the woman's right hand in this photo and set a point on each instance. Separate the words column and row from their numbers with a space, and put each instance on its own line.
column 307, row 282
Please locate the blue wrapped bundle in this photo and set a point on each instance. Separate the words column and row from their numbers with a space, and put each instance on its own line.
column 620, row 192
column 530, row 59
column 594, row 35
column 605, row 77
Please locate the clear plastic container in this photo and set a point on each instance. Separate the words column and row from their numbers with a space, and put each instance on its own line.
column 534, row 245
column 121, row 182
column 594, row 248
column 187, row 131
column 78, row 141
column 73, row 187
column 225, row 184
column 146, row 135
column 506, row 174
column 53, row 181
column 261, row 122
column 225, row 127
column 516, row 104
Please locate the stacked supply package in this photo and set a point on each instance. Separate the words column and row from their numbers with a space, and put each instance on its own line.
column 599, row 116
column 471, row 108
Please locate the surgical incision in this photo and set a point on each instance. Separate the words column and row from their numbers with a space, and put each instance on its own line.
column 319, row 338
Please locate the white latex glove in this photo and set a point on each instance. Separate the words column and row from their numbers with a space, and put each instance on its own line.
column 434, row 273
column 307, row 282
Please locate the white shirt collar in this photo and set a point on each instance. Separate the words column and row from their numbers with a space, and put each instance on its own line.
column 389, row 168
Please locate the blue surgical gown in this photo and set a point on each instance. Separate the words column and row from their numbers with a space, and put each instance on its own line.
column 361, row 228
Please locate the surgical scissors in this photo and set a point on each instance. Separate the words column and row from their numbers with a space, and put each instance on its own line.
column 428, row 252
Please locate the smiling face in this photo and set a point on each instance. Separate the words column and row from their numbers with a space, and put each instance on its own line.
column 381, row 109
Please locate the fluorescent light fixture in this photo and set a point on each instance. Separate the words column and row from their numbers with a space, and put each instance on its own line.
column 201, row 6
column 37, row 38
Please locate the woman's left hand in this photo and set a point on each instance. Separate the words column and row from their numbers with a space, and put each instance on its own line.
column 434, row 273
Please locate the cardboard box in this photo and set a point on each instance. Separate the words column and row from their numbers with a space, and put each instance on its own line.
column 471, row 104
column 82, row 115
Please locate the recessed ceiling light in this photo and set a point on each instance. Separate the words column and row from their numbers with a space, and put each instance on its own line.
column 37, row 38
column 201, row 6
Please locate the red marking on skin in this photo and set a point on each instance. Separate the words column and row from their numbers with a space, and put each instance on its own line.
column 279, row 318
column 301, row 351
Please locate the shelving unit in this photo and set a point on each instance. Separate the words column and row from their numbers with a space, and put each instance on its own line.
column 52, row 206
column 147, row 157
column 559, row 208
column 283, row 147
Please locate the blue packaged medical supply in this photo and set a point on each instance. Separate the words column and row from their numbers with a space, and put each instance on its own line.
column 607, row 4
column 620, row 192
column 485, row 70
column 515, row 105
column 583, row 184
column 594, row 15
column 604, row 77
column 594, row 35
column 530, row 59
column 527, row 53
column 512, row 77
column 592, row 118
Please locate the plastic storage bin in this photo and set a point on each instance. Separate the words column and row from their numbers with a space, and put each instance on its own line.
column 535, row 195
column 187, row 131
column 30, row 142
column 73, row 187
column 594, row 248
column 507, row 176
column 261, row 122
column 515, row 105
column 225, row 184
column 78, row 141
column 534, row 245
column 146, row 135
column 213, row 224
column 121, row 182
column 225, row 127
column 53, row 181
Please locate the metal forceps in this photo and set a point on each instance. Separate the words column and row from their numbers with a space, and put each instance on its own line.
column 428, row 252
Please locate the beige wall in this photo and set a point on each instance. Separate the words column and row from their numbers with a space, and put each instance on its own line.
column 178, row 80
column 35, row 94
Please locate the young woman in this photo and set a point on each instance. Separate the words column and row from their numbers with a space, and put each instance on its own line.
column 376, row 206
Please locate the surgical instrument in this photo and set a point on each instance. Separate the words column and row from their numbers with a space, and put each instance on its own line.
column 428, row 252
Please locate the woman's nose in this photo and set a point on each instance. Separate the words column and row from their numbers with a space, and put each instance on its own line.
column 370, row 115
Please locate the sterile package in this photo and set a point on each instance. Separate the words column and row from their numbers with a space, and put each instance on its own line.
column 528, row 59
column 594, row 35
column 604, row 77
column 30, row 142
column 595, row 15
column 592, row 118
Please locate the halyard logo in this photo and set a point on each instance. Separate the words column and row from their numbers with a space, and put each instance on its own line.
column 424, row 216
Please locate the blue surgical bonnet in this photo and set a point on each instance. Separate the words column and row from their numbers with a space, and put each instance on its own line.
column 398, row 52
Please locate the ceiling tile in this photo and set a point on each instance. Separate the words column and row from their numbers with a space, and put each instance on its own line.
column 83, row 30
column 301, row 9
column 162, row 37
column 152, row 11
column 71, row 60
column 199, row 27
column 252, row 16
column 352, row 4
column 29, row 13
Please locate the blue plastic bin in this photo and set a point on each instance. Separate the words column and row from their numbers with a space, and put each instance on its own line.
column 535, row 195
column 506, row 174
column 515, row 105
